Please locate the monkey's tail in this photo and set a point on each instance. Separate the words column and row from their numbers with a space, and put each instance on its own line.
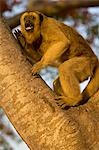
column 93, row 85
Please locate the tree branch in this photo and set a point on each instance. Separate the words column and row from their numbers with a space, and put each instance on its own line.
column 30, row 105
column 14, row 21
column 58, row 9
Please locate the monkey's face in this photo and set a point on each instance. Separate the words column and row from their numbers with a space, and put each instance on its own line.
column 29, row 23
column 30, row 26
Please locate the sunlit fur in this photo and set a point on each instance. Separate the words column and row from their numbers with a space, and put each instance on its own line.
column 65, row 48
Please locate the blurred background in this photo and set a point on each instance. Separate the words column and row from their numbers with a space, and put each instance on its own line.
column 83, row 15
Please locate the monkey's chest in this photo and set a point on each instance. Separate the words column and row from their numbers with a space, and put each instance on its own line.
column 36, row 44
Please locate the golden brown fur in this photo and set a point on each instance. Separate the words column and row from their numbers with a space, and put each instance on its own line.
column 61, row 46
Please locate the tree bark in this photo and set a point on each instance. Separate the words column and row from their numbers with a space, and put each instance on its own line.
column 30, row 105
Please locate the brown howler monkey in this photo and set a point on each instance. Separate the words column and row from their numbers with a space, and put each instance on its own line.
column 50, row 42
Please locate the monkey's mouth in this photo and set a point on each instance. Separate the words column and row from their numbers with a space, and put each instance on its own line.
column 29, row 26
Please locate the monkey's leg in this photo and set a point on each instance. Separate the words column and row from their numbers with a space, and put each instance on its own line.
column 58, row 90
column 57, row 87
column 92, row 87
column 71, row 73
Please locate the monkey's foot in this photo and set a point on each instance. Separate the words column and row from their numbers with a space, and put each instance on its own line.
column 60, row 101
column 64, row 101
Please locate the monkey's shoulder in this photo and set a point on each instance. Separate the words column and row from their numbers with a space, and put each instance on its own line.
column 51, row 28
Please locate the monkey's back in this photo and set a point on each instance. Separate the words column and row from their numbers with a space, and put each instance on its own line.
column 78, row 46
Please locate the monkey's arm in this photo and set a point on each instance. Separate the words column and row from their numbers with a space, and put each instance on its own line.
column 30, row 54
column 20, row 38
column 53, row 53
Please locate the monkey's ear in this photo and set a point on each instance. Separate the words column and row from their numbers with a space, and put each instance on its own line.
column 41, row 18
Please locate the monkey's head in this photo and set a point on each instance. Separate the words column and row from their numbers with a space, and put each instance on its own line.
column 31, row 26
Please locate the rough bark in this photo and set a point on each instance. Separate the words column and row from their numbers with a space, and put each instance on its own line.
column 30, row 106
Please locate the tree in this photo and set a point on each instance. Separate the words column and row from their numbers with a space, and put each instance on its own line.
column 30, row 105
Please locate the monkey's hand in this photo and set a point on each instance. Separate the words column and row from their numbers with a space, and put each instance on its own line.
column 37, row 67
column 20, row 38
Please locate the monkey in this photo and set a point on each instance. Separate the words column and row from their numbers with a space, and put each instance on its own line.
column 50, row 42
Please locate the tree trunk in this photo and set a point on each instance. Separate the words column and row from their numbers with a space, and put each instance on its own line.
column 29, row 104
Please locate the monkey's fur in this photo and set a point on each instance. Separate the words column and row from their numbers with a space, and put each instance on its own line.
column 49, row 42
